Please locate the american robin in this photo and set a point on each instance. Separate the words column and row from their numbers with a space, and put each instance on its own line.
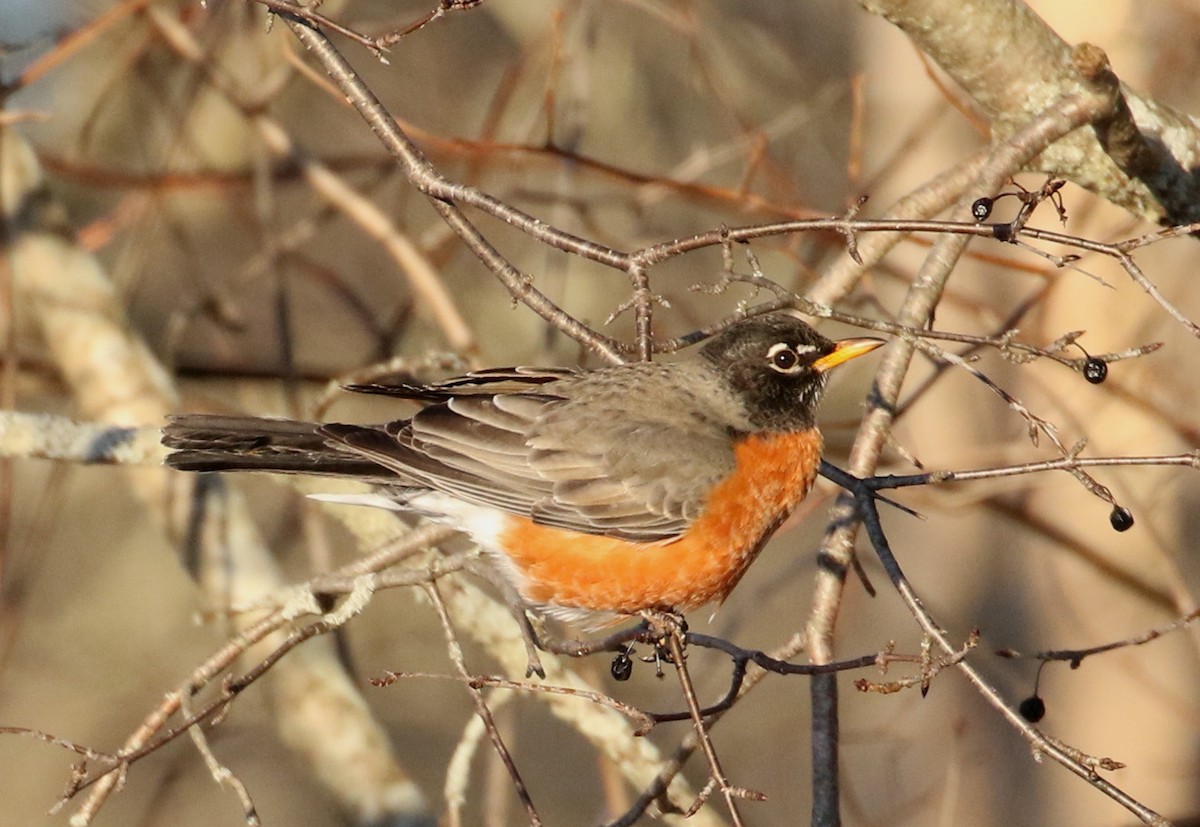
column 647, row 486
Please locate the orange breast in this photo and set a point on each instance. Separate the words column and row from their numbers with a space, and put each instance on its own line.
column 582, row 571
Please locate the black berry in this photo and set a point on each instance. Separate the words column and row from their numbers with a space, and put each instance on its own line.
column 1095, row 370
column 1121, row 518
column 1032, row 709
column 982, row 208
column 622, row 667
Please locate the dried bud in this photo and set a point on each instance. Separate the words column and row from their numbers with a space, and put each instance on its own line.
column 1095, row 370
column 1121, row 518
column 1032, row 709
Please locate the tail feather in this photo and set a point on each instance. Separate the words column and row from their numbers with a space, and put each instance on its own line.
column 233, row 443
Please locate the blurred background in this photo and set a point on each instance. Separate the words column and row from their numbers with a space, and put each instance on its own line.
column 175, row 144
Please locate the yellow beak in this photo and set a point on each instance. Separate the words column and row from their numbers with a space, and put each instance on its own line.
column 845, row 350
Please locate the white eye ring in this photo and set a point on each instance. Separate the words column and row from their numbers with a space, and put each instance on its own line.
column 785, row 358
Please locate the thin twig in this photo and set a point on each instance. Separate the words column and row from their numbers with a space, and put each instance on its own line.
column 1075, row 657
column 731, row 793
column 445, row 195
column 454, row 649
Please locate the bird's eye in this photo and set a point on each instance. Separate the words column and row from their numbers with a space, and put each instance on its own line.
column 783, row 357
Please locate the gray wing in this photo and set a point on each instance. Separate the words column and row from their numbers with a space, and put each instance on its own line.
column 572, row 454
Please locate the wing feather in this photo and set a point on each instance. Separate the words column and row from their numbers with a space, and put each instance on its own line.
column 615, row 452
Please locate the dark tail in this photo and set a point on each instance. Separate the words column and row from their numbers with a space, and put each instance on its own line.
column 246, row 443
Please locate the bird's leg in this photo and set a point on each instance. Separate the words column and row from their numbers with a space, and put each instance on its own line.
column 519, row 609
column 533, row 642
column 662, row 624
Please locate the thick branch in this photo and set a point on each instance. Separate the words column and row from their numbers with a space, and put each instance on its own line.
column 1142, row 157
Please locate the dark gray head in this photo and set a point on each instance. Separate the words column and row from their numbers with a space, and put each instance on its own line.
column 778, row 365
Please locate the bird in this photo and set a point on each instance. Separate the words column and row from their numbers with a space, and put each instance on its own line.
column 598, row 494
